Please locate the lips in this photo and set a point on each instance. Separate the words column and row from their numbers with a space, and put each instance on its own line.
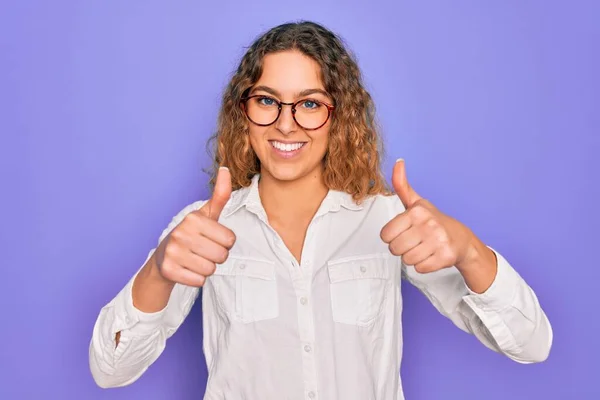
column 287, row 150
column 287, row 147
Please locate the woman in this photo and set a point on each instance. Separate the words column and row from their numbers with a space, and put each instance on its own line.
column 301, row 249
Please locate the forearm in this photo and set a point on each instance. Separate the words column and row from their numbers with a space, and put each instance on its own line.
column 150, row 291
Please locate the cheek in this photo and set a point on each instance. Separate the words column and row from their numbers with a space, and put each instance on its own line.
column 256, row 136
column 320, row 138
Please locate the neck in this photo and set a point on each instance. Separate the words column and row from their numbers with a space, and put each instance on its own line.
column 285, row 198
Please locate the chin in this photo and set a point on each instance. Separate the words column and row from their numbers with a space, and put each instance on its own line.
column 286, row 169
column 285, row 173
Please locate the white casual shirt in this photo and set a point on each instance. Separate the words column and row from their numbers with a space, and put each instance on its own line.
column 328, row 328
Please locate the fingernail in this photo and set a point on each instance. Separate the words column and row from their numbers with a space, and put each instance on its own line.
column 400, row 159
column 224, row 168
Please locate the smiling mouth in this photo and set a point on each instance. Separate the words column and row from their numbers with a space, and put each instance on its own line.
column 286, row 146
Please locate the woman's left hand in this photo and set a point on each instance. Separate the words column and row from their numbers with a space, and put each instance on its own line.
column 423, row 236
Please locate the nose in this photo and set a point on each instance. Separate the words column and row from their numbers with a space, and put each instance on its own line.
column 285, row 123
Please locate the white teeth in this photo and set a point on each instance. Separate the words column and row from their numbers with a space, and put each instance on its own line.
column 286, row 146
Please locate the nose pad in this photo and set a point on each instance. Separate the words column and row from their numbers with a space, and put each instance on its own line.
column 286, row 123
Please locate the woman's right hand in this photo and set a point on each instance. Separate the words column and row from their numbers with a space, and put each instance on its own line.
column 190, row 252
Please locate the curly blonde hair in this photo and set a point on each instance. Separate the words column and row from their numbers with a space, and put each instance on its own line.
column 353, row 157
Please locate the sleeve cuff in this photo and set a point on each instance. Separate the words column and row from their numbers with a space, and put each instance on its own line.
column 501, row 292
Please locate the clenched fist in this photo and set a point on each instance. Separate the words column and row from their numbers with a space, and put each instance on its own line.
column 192, row 249
column 422, row 235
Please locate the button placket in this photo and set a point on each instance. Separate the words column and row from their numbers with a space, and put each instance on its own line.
column 305, row 319
column 305, row 314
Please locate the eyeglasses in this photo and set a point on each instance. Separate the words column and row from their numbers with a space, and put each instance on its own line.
column 264, row 111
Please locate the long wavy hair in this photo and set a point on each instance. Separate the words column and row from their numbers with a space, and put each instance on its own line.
column 353, row 157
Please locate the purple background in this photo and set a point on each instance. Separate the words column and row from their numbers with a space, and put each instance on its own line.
column 106, row 106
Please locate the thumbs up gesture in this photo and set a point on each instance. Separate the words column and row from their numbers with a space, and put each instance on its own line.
column 192, row 249
column 422, row 235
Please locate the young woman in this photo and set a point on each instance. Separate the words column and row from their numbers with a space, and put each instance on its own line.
column 301, row 249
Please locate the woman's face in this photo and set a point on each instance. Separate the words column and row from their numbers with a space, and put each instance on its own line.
column 285, row 149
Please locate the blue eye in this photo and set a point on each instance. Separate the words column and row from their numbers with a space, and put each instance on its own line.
column 310, row 104
column 266, row 101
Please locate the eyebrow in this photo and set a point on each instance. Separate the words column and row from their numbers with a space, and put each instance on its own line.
column 303, row 93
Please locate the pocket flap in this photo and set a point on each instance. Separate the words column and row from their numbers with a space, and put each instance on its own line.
column 372, row 266
column 238, row 266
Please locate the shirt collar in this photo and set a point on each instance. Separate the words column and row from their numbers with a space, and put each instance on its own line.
column 249, row 197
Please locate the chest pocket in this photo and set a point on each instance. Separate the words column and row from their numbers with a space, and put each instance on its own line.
column 358, row 288
column 246, row 289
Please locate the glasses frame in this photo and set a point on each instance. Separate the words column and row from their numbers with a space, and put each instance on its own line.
column 280, row 105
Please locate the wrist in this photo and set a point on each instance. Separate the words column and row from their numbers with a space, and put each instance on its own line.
column 475, row 255
column 479, row 266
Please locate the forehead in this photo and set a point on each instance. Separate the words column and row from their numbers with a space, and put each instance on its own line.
column 290, row 72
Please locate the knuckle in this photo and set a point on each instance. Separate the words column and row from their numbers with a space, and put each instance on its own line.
column 201, row 265
column 448, row 257
column 224, row 256
column 383, row 236
column 192, row 218
column 167, row 269
column 177, row 234
column 231, row 239
column 442, row 236
column 386, row 234
column 209, row 268
column 408, row 259
column 420, row 268
column 424, row 268
column 195, row 281
column 170, row 250
column 432, row 223
column 394, row 247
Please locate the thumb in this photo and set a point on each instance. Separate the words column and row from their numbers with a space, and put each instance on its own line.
column 403, row 189
column 221, row 193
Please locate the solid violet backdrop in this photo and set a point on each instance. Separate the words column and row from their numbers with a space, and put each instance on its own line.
column 106, row 107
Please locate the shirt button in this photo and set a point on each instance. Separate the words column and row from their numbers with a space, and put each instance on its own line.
column 311, row 395
column 242, row 266
column 303, row 300
column 307, row 348
column 363, row 268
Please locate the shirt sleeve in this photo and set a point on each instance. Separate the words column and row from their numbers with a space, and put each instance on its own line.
column 507, row 317
column 143, row 335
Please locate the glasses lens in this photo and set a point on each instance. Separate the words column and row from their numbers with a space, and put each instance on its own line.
column 262, row 110
column 310, row 114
